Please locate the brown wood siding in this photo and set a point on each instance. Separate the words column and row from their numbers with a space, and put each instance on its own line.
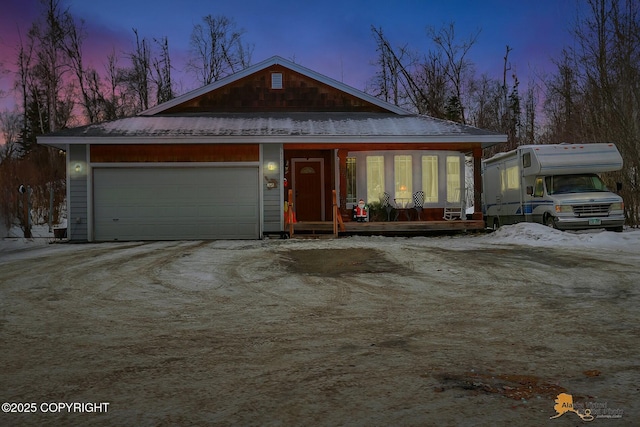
column 254, row 94
column 140, row 153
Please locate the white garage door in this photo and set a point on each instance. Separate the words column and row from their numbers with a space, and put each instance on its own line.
column 176, row 203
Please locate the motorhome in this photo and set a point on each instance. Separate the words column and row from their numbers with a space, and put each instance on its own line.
column 556, row 185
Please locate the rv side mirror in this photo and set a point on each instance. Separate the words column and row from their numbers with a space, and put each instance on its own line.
column 618, row 186
column 529, row 190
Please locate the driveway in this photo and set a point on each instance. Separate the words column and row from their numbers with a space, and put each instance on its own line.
column 355, row 331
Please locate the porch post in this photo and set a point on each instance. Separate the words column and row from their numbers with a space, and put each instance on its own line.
column 342, row 166
column 477, row 183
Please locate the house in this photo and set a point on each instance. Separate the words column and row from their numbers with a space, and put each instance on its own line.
column 218, row 162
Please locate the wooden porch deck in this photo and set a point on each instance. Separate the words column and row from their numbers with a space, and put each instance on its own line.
column 384, row 228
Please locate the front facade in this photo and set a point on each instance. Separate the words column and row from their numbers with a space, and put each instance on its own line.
column 221, row 161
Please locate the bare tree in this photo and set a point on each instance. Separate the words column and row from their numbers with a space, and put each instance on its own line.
column 485, row 108
column 42, row 62
column 116, row 99
column 394, row 82
column 562, row 100
column 458, row 67
column 10, row 128
column 431, row 76
column 439, row 84
column 387, row 79
column 162, row 72
column 48, row 100
column 89, row 99
column 530, row 115
column 24, row 84
column 136, row 78
column 51, row 61
column 3, row 73
column 217, row 49
column 609, row 55
column 595, row 96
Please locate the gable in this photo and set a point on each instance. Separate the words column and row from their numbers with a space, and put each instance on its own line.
column 275, row 88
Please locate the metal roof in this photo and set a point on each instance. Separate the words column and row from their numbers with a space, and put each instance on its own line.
column 156, row 126
column 275, row 127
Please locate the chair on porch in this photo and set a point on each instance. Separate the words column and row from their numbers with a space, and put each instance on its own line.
column 454, row 210
column 418, row 203
column 385, row 202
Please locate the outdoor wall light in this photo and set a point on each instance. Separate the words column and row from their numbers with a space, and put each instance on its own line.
column 271, row 166
column 78, row 168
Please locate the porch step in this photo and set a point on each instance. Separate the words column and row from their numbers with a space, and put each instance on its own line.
column 307, row 236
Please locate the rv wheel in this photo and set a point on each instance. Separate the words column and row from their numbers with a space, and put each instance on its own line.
column 550, row 221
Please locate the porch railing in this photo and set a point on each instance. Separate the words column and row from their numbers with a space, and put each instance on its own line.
column 338, row 225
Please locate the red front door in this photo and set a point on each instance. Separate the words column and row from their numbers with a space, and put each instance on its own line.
column 307, row 189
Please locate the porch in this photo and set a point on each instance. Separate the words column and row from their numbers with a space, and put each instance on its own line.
column 383, row 228
column 385, row 176
column 341, row 226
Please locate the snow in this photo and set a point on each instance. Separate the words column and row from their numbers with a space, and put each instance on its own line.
column 523, row 234
column 14, row 240
column 294, row 124
column 139, row 318
column 538, row 235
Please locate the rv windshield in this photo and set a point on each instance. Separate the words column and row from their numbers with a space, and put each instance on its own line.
column 561, row 184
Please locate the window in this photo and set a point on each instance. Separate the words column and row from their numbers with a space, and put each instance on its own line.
column 510, row 178
column 375, row 178
column 430, row 178
column 352, row 191
column 307, row 170
column 276, row 80
column 539, row 188
column 403, row 176
column 563, row 184
column 526, row 160
column 509, row 175
column 453, row 179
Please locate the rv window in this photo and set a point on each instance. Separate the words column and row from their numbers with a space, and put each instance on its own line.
column 509, row 178
column 538, row 191
column 526, row 160
column 586, row 183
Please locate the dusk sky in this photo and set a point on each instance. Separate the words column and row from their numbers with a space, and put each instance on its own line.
column 330, row 37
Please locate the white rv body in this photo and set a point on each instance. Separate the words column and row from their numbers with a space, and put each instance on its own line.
column 556, row 185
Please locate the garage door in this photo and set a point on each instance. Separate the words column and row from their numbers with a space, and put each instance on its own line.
column 176, row 203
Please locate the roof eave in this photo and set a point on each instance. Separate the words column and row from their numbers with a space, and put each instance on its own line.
column 62, row 142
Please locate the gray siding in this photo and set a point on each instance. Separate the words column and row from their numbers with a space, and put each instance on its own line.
column 273, row 198
column 78, row 212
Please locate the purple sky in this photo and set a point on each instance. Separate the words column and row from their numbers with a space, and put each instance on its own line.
column 330, row 37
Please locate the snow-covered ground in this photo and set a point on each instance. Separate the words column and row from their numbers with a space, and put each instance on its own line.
column 539, row 235
column 520, row 234
column 478, row 329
